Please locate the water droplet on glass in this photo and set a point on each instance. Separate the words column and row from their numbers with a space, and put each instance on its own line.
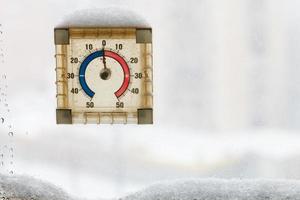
column 11, row 172
column 2, row 120
column 11, row 134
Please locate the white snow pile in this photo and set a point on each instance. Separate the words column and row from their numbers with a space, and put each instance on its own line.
column 27, row 188
column 104, row 17
column 216, row 189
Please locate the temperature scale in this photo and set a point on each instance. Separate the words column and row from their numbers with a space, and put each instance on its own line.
column 104, row 75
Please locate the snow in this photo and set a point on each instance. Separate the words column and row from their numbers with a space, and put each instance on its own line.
column 28, row 188
column 104, row 17
column 218, row 189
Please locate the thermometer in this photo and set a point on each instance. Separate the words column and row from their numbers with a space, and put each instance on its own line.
column 104, row 75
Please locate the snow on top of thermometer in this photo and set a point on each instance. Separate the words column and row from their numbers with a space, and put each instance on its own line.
column 219, row 189
column 104, row 17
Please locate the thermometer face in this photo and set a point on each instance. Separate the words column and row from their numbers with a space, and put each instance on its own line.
column 104, row 76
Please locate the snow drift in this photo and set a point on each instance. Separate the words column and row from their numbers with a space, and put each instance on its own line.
column 27, row 188
column 197, row 189
column 217, row 189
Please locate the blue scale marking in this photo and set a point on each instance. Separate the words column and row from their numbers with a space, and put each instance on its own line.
column 82, row 70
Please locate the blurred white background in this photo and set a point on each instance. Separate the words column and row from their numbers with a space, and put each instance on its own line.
column 226, row 94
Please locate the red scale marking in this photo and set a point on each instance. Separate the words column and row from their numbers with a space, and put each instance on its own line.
column 126, row 71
